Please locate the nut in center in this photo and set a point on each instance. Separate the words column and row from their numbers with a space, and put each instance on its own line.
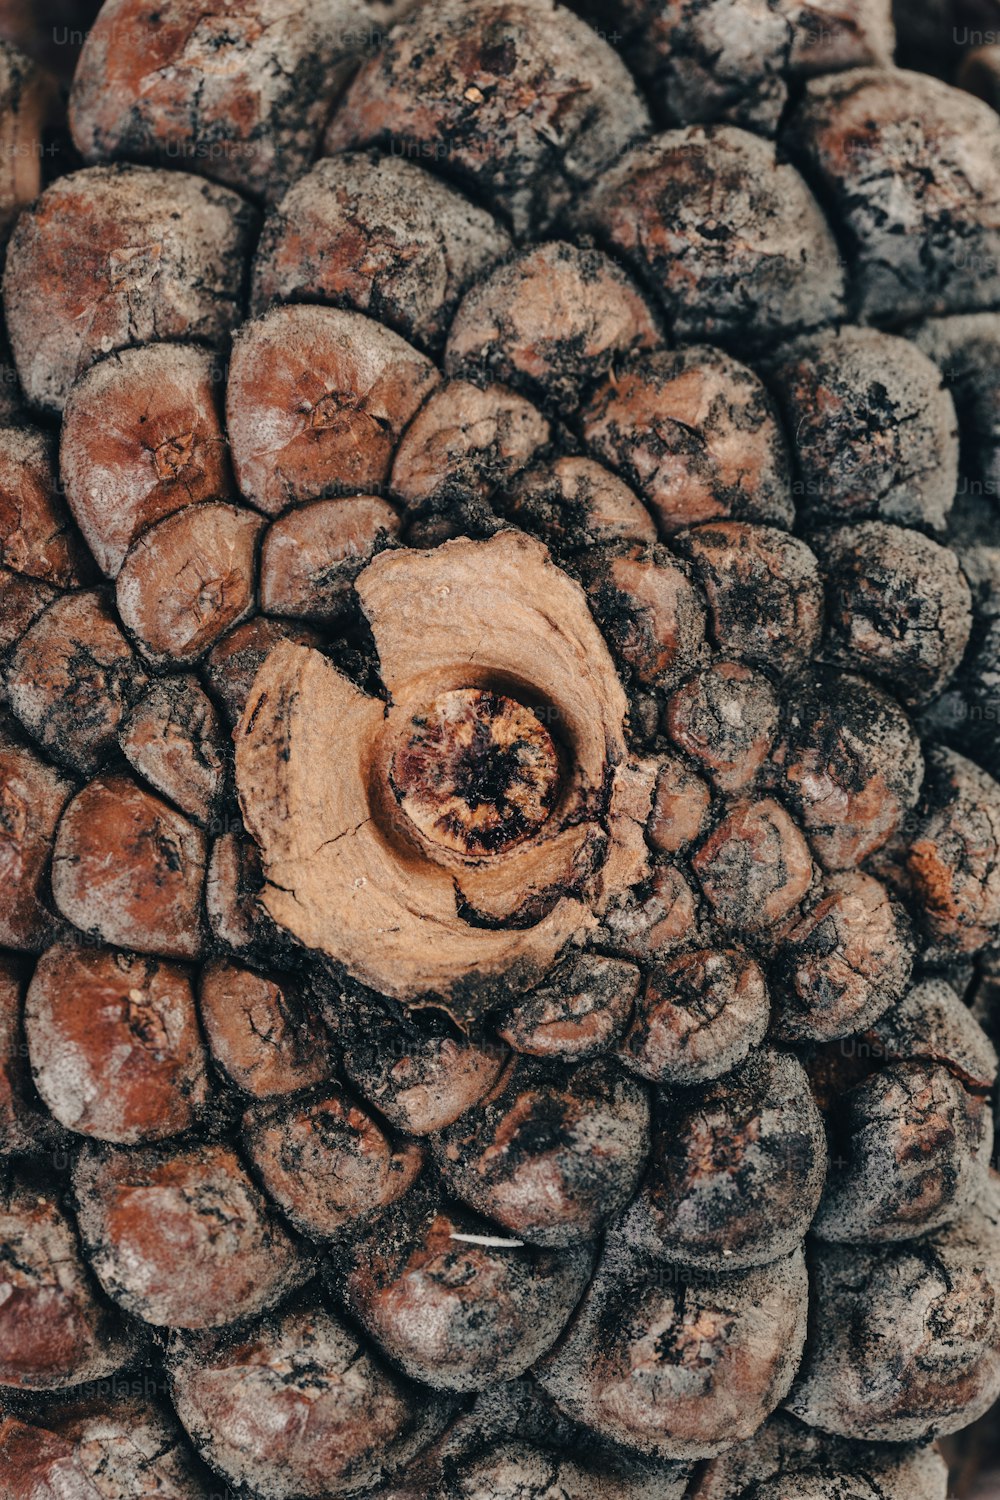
column 477, row 772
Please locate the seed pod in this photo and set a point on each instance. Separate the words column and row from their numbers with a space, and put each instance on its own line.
column 53, row 1330
column 141, row 438
column 114, row 1446
column 32, row 798
column 452, row 1303
column 909, row 1346
column 654, row 919
column 327, row 1163
column 736, row 1172
column 24, row 1125
column 72, row 680
column 422, row 1083
column 788, row 1453
column 680, row 1364
column 697, row 68
column 679, row 208
column 726, row 719
column 463, row 445
column 574, row 504
column 754, row 868
column 234, row 661
column 382, row 236
column 241, row 98
column 37, row 535
column 296, row 1405
column 953, row 862
column 874, row 432
column 174, row 739
column 121, row 255
column 765, row 594
column 312, row 555
column 22, row 600
column 524, row 1158
column 550, row 321
column 851, row 767
column 578, row 1013
column 843, row 963
column 129, row 869
column 188, row 579
column 696, row 435
column 146, row 1215
column 649, row 611
column 917, row 1150
column 680, row 802
column 449, row 79
column 114, row 1044
column 887, row 147
column 697, row 1017
column 260, row 1030
column 316, row 403
column 899, row 606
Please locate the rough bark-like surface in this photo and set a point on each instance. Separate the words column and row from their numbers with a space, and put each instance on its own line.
column 73, row 679
column 764, row 589
column 260, row 1031
column 754, row 868
column 241, row 96
column 296, row 1406
column 844, row 963
column 420, row 1082
column 233, row 663
column 114, row 1044
column 452, row 1301
column 174, row 738
column 726, row 719
column 953, row 861
column 188, row 579
column 677, row 1364
column 128, row 869
column 95, row 1448
column 574, row 503
column 312, row 555
column 380, row 235
column 909, row 166
column 115, row 256
column 738, row 62
column 908, row 1347
column 550, row 321
column 142, row 1213
column 316, row 403
column 649, row 610
column 874, row 432
column 851, row 767
column 966, row 349
column 899, row 606
column 54, row 1332
column 578, row 1012
column 522, row 103
column 32, row 799
column 526, row 1157
column 736, row 1171
column 727, row 236
column 141, row 438
column 697, row 1017
column 37, row 536
column 696, row 435
column 327, row 1163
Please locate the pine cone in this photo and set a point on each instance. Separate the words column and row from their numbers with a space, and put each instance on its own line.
column 497, row 842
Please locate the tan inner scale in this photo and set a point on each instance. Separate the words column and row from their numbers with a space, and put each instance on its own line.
column 477, row 772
